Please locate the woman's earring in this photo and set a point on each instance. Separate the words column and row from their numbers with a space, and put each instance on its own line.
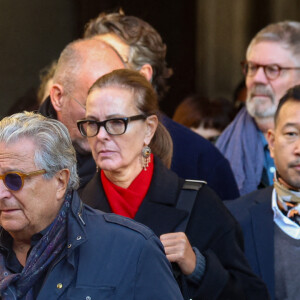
column 146, row 157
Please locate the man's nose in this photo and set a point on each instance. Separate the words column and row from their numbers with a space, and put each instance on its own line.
column 4, row 191
column 260, row 76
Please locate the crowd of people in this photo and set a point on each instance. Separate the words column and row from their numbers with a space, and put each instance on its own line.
column 102, row 196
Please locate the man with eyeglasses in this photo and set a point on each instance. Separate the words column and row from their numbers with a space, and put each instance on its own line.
column 52, row 246
column 80, row 64
column 271, row 67
column 270, row 217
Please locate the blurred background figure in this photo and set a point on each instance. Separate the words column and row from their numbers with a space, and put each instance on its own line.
column 240, row 95
column 46, row 81
column 33, row 97
column 207, row 117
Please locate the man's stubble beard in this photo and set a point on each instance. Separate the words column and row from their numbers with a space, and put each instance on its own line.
column 256, row 107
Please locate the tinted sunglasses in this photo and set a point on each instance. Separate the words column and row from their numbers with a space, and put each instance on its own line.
column 15, row 180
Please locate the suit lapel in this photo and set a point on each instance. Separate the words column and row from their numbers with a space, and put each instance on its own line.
column 263, row 229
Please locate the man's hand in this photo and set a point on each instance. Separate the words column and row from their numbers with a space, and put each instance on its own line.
column 178, row 249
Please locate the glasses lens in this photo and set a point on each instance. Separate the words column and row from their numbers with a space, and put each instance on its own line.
column 115, row 126
column 90, row 128
column 272, row 71
column 13, row 181
column 251, row 69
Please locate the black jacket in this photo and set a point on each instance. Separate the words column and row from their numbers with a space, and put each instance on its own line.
column 211, row 229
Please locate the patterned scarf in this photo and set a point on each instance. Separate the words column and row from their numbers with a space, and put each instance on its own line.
column 289, row 200
column 20, row 285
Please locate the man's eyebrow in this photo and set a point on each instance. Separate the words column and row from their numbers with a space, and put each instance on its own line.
column 291, row 124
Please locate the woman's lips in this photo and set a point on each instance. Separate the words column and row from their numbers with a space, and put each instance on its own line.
column 105, row 153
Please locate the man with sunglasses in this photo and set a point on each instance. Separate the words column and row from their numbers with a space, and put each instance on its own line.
column 52, row 246
column 271, row 67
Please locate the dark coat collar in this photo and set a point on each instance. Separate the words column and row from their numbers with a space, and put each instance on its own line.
column 47, row 109
column 157, row 211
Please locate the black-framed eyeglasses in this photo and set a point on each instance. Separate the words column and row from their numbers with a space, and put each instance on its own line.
column 15, row 180
column 115, row 126
column 272, row 71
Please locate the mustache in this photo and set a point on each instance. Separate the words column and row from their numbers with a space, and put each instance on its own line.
column 261, row 90
column 294, row 163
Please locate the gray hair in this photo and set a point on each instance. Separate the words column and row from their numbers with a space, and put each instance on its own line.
column 54, row 150
column 145, row 43
column 287, row 33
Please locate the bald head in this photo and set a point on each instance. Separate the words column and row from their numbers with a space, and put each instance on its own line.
column 79, row 55
column 80, row 64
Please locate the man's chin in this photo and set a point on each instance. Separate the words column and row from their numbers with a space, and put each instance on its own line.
column 257, row 111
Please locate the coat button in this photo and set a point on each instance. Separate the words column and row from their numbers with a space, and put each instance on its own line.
column 88, row 298
column 69, row 246
column 59, row 285
column 78, row 238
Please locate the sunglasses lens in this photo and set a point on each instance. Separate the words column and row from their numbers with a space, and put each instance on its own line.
column 13, row 181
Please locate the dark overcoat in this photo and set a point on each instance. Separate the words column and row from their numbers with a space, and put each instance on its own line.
column 211, row 229
column 255, row 215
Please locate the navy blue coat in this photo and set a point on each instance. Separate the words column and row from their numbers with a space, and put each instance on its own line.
column 193, row 157
column 255, row 215
column 109, row 257
column 211, row 229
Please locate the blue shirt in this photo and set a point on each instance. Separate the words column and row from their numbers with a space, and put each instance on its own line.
column 269, row 167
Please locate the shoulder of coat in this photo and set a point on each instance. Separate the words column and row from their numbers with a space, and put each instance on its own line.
column 129, row 224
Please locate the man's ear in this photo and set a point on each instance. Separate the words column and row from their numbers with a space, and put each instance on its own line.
column 152, row 123
column 62, row 178
column 56, row 95
column 271, row 141
column 147, row 71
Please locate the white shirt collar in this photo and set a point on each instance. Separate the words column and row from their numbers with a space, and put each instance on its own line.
column 284, row 223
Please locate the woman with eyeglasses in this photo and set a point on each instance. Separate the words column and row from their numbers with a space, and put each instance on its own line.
column 133, row 151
